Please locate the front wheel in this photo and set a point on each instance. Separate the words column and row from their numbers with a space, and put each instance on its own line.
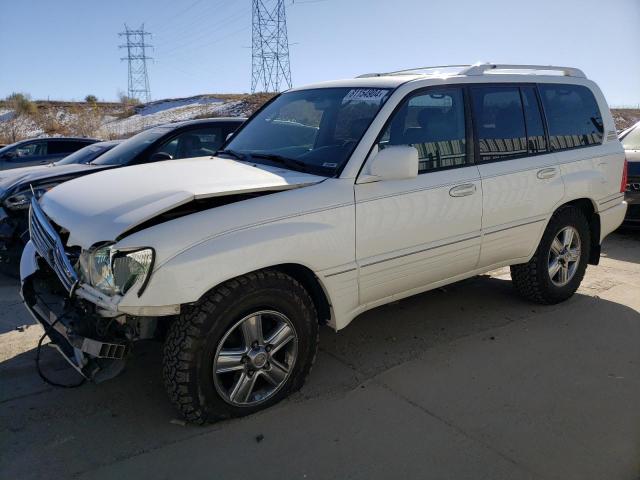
column 244, row 347
column 559, row 264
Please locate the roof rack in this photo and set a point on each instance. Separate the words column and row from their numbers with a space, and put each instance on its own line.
column 410, row 70
column 482, row 68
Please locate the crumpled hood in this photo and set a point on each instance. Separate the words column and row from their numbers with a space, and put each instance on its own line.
column 100, row 207
column 33, row 175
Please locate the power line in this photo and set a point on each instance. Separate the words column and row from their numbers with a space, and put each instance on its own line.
column 185, row 57
column 204, row 39
column 196, row 22
column 138, row 84
column 169, row 21
column 270, row 66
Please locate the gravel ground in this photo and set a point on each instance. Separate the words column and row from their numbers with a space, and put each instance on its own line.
column 466, row 381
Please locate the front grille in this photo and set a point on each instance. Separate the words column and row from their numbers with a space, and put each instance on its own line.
column 49, row 246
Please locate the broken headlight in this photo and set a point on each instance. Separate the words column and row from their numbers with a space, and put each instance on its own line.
column 116, row 272
column 131, row 268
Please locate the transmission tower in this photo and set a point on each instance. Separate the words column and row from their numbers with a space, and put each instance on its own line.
column 137, row 61
column 269, row 46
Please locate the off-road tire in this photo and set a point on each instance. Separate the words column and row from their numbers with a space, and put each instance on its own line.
column 192, row 340
column 532, row 280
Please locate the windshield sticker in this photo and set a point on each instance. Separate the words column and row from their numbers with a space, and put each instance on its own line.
column 329, row 165
column 374, row 95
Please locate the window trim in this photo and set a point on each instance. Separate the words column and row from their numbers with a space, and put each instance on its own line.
column 543, row 115
column 543, row 119
column 469, row 137
column 551, row 149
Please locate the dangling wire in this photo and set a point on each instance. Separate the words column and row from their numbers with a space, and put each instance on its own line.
column 47, row 329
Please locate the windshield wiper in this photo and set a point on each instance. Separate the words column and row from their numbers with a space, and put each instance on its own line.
column 233, row 153
column 290, row 163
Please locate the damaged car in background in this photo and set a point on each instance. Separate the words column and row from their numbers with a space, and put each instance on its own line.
column 331, row 200
column 630, row 139
column 40, row 151
column 19, row 185
column 187, row 139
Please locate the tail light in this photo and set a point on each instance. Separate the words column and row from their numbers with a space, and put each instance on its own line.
column 625, row 177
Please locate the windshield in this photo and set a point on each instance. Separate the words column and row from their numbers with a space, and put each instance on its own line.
column 86, row 154
column 126, row 151
column 310, row 130
column 631, row 141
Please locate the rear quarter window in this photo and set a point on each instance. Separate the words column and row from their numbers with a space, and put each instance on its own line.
column 573, row 117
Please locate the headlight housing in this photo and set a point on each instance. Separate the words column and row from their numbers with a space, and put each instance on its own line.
column 132, row 269
column 117, row 271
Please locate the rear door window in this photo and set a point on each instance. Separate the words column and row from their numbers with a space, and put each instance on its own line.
column 573, row 116
column 500, row 124
column 59, row 147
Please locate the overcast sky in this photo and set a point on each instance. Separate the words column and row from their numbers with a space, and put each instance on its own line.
column 69, row 48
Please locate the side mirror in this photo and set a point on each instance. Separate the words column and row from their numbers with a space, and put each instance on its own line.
column 9, row 155
column 160, row 156
column 395, row 162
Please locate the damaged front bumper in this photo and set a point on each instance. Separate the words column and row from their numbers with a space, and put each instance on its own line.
column 71, row 323
column 89, row 328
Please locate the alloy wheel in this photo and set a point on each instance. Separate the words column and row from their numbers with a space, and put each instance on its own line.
column 255, row 358
column 564, row 256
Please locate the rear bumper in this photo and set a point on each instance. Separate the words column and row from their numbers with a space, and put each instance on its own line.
column 611, row 218
column 632, row 218
column 60, row 317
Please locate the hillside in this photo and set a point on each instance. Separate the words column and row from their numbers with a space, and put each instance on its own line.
column 118, row 120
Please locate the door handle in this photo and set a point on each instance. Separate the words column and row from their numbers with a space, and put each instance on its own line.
column 463, row 190
column 546, row 173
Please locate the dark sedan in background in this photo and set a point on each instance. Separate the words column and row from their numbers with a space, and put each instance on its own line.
column 193, row 138
column 630, row 139
column 40, row 151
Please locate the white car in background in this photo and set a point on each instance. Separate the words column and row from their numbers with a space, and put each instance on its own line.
column 331, row 200
column 630, row 139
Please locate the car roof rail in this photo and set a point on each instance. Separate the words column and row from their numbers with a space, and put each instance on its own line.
column 417, row 70
column 482, row 68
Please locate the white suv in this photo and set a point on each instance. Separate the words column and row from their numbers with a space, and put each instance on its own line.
column 331, row 200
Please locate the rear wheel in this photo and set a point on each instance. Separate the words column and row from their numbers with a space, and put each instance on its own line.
column 559, row 264
column 244, row 347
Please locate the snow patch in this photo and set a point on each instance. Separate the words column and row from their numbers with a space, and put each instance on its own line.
column 175, row 110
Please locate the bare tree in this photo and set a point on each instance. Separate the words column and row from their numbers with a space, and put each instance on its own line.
column 18, row 121
column 15, row 128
